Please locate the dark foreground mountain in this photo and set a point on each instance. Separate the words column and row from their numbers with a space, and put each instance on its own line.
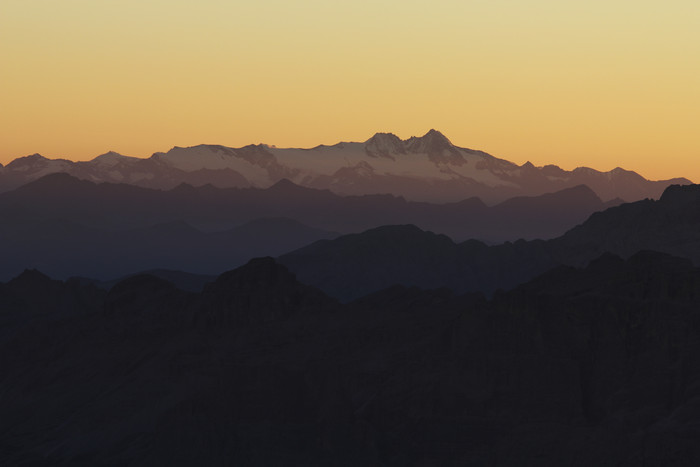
column 354, row 265
column 594, row 366
column 670, row 224
column 425, row 168
column 182, row 280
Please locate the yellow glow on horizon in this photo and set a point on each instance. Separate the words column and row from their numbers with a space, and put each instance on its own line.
column 601, row 84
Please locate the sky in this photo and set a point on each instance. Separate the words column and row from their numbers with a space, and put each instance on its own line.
column 597, row 83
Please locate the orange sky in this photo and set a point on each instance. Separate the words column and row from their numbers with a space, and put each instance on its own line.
column 596, row 83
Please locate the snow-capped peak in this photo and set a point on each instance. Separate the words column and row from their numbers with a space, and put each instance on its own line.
column 432, row 142
column 384, row 144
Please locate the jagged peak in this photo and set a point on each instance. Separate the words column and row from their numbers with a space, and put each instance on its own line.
column 431, row 142
column 433, row 133
column 384, row 145
column 384, row 137
column 36, row 155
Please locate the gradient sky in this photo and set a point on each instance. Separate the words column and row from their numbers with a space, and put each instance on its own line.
column 596, row 83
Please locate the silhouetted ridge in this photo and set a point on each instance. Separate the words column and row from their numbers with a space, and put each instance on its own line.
column 681, row 194
column 31, row 159
column 30, row 278
column 185, row 188
column 56, row 181
column 646, row 274
column 286, row 186
column 33, row 292
column 353, row 265
column 146, row 293
column 384, row 144
column 567, row 198
column 432, row 142
column 260, row 291
column 578, row 191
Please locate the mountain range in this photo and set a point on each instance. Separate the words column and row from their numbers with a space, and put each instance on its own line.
column 426, row 168
column 70, row 227
column 550, row 329
column 352, row 266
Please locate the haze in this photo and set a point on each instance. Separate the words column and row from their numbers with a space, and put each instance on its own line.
column 595, row 83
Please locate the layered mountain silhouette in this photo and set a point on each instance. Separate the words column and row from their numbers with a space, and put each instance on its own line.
column 544, row 322
column 354, row 265
column 426, row 168
column 585, row 366
column 71, row 227
column 66, row 248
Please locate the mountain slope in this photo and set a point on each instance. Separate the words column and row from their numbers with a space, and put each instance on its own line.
column 65, row 249
column 354, row 265
column 120, row 206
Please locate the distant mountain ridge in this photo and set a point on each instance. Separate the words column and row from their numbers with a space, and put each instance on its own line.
column 351, row 266
column 122, row 206
column 426, row 168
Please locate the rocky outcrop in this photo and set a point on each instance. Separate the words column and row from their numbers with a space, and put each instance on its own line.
column 259, row 292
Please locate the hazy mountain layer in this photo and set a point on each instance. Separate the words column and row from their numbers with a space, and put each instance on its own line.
column 427, row 168
column 354, row 265
column 69, row 227
column 64, row 248
column 121, row 206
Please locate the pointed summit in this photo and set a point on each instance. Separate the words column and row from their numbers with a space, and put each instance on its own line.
column 287, row 189
column 384, row 145
column 26, row 161
column 434, row 134
column 111, row 158
column 29, row 277
column 284, row 184
column 384, row 138
column 431, row 142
